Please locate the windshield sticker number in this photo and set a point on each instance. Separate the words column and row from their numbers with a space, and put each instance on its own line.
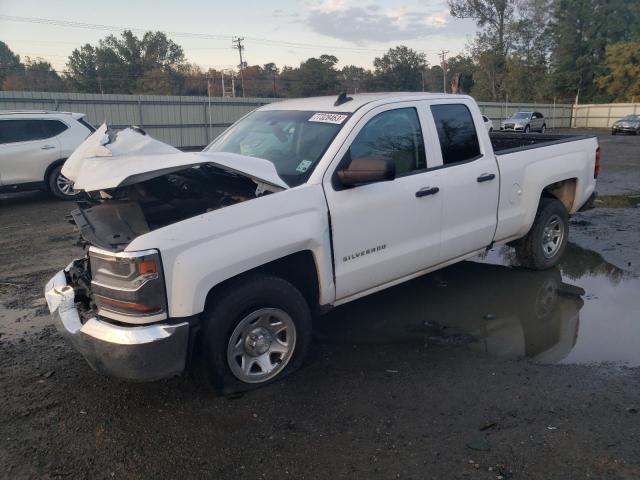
column 336, row 118
column 303, row 166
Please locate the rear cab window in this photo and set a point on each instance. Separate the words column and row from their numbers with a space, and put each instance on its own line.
column 26, row 130
column 456, row 132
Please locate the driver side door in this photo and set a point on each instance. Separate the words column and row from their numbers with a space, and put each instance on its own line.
column 385, row 231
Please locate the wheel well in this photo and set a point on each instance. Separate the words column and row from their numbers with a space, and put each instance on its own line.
column 51, row 166
column 565, row 191
column 299, row 269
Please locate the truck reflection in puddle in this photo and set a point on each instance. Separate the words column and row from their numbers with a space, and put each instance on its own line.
column 586, row 311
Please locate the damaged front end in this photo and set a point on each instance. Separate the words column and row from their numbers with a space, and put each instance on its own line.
column 112, row 304
column 111, row 219
column 135, row 184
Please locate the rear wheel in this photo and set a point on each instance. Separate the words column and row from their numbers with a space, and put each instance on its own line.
column 543, row 129
column 60, row 186
column 546, row 242
column 255, row 333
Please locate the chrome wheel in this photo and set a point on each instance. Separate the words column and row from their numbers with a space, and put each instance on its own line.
column 65, row 186
column 552, row 236
column 261, row 345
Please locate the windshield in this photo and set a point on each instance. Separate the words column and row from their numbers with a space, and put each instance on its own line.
column 632, row 118
column 520, row 115
column 292, row 140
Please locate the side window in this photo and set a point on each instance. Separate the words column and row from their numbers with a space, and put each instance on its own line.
column 12, row 131
column 396, row 135
column 456, row 132
column 51, row 128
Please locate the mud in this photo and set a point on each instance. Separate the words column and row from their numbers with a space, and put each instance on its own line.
column 482, row 371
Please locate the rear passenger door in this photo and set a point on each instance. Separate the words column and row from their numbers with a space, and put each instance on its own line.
column 536, row 121
column 469, row 182
column 27, row 148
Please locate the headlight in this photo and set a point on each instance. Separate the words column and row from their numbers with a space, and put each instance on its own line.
column 128, row 286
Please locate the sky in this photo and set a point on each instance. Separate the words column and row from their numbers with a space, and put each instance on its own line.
column 281, row 31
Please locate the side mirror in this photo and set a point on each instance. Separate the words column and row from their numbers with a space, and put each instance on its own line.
column 363, row 170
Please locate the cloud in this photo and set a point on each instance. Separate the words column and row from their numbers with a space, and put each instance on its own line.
column 341, row 19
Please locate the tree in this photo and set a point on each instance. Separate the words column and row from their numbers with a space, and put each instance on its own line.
column 580, row 32
column 124, row 64
column 400, row 69
column 315, row 76
column 355, row 79
column 9, row 63
column 495, row 18
column 621, row 79
column 464, row 66
column 35, row 75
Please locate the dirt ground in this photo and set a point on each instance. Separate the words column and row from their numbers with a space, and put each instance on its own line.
column 479, row 371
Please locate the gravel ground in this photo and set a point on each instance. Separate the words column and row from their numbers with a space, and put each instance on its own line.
column 444, row 377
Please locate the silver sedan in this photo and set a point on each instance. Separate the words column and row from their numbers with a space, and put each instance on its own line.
column 628, row 124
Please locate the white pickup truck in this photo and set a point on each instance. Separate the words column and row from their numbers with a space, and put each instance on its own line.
column 300, row 206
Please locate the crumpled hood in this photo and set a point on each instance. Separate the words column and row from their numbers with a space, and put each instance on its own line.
column 105, row 161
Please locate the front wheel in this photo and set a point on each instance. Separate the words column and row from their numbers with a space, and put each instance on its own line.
column 546, row 242
column 526, row 129
column 256, row 332
column 543, row 129
column 60, row 186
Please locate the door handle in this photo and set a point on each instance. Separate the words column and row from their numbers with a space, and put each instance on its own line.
column 423, row 192
column 486, row 177
column 47, row 147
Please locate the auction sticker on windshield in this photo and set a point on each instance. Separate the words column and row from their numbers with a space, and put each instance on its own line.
column 336, row 118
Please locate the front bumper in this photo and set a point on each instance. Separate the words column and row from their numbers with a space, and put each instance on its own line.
column 626, row 129
column 512, row 128
column 146, row 352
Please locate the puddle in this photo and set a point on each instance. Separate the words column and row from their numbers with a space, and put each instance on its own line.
column 618, row 201
column 585, row 311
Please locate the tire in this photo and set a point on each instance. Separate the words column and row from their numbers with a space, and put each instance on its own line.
column 59, row 186
column 543, row 129
column 613, row 132
column 490, row 129
column 526, row 129
column 544, row 245
column 240, row 334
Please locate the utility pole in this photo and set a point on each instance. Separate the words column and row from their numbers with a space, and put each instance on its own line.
column 237, row 44
column 443, row 60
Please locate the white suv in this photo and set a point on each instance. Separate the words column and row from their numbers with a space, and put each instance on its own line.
column 33, row 147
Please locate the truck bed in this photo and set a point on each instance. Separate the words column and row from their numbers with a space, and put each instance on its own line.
column 504, row 143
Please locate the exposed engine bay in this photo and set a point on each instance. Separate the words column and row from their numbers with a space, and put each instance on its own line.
column 111, row 219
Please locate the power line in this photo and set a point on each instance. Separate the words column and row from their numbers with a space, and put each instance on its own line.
column 203, row 36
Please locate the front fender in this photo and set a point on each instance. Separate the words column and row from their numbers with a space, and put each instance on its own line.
column 201, row 252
